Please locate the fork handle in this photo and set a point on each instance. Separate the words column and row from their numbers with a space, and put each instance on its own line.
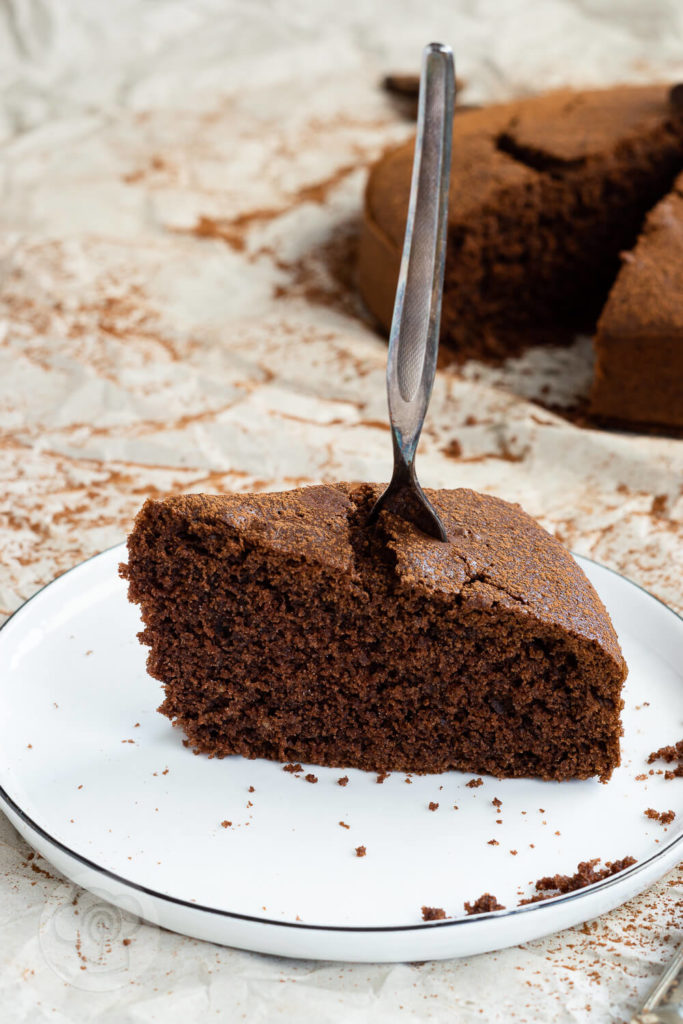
column 414, row 336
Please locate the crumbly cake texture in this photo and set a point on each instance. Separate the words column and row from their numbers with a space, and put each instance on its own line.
column 433, row 914
column 587, row 873
column 672, row 752
column 483, row 905
column 669, row 754
column 639, row 340
column 545, row 193
column 663, row 817
column 283, row 627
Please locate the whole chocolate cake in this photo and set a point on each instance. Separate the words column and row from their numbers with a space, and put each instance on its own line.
column 545, row 194
column 282, row 626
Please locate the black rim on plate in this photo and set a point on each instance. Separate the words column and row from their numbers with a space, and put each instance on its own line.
column 554, row 901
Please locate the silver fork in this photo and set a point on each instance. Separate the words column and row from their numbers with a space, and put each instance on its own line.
column 667, row 986
column 414, row 337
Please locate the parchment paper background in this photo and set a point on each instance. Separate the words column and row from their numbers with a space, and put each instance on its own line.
column 179, row 182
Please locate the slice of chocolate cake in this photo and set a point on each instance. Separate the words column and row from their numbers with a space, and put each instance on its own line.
column 639, row 342
column 282, row 626
column 544, row 194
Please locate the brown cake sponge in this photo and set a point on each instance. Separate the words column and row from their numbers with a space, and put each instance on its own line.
column 544, row 195
column 283, row 627
column 639, row 341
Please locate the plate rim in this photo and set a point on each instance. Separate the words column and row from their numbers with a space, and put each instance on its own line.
column 507, row 914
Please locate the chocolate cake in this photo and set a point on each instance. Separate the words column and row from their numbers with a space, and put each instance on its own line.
column 639, row 341
column 283, row 626
column 545, row 193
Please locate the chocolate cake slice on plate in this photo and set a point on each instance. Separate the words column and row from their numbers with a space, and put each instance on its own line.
column 321, row 625
column 283, row 626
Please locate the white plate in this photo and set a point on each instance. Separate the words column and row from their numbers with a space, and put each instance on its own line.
column 140, row 822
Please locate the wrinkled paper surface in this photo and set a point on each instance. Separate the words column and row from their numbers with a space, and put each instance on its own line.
column 179, row 185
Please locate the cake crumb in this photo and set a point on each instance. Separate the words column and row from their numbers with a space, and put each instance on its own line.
column 663, row 817
column 433, row 806
column 474, row 783
column 493, row 842
column 586, row 874
column 344, row 825
column 669, row 754
column 311, row 777
column 433, row 914
column 293, row 768
column 513, row 852
column 453, row 449
column 126, row 942
column 483, row 905
column 344, row 781
column 497, row 803
column 673, row 752
column 226, row 823
column 250, row 790
column 381, row 777
column 360, row 851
